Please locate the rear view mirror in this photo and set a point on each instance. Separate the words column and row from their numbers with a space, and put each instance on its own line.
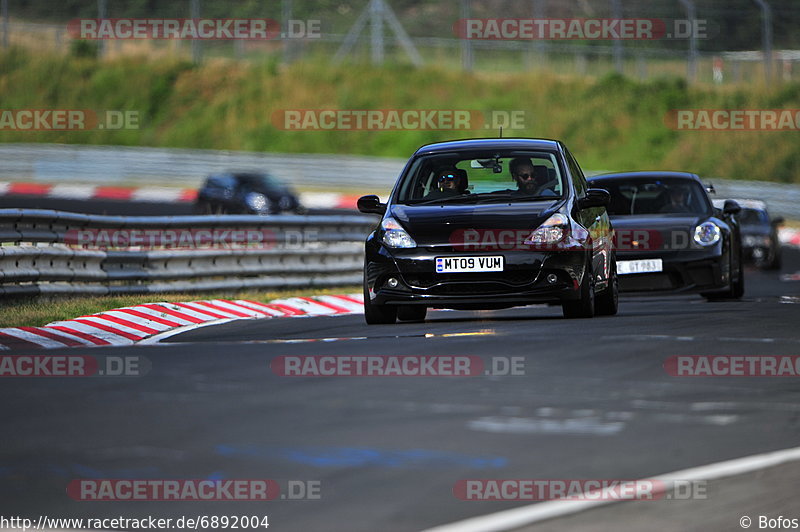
column 371, row 205
column 731, row 207
column 778, row 220
column 595, row 197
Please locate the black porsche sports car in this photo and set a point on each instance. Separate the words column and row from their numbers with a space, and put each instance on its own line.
column 486, row 224
column 669, row 236
column 246, row 193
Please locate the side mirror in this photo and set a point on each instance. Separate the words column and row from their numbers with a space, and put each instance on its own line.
column 595, row 197
column 778, row 220
column 731, row 207
column 371, row 205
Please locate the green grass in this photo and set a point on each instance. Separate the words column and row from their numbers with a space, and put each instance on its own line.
column 40, row 311
column 610, row 123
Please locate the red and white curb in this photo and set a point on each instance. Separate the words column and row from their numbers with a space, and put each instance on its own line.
column 312, row 200
column 131, row 325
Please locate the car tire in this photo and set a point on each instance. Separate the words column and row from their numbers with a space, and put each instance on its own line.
column 583, row 307
column 607, row 302
column 377, row 314
column 412, row 313
column 735, row 289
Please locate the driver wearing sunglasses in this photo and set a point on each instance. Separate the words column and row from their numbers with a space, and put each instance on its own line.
column 447, row 183
column 530, row 179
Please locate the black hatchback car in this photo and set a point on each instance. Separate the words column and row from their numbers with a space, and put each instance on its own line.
column 487, row 224
column 246, row 193
column 669, row 236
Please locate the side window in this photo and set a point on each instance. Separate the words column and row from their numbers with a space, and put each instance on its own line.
column 578, row 179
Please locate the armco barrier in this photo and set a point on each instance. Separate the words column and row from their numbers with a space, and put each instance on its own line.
column 39, row 253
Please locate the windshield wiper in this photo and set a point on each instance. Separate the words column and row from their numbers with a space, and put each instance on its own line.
column 444, row 199
column 512, row 197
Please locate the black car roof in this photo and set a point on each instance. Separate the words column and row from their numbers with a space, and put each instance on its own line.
column 489, row 144
column 657, row 174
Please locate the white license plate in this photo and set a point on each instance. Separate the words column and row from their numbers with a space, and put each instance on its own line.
column 469, row 264
column 625, row 267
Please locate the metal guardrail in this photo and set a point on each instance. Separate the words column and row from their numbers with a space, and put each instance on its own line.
column 54, row 163
column 40, row 253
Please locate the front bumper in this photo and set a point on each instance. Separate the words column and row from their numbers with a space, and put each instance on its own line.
column 526, row 279
column 683, row 271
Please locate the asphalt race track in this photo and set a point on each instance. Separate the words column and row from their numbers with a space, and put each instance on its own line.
column 594, row 402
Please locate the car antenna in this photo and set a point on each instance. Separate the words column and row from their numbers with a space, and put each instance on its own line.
column 501, row 132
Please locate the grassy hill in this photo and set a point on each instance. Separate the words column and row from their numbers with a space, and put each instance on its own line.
column 610, row 123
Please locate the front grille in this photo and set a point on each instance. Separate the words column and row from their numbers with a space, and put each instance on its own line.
column 514, row 278
column 646, row 281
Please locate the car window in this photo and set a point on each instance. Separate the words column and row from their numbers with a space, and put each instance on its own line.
column 753, row 217
column 655, row 196
column 221, row 182
column 578, row 179
column 481, row 174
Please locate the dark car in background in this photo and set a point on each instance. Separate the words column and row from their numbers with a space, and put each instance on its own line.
column 669, row 236
column 246, row 193
column 488, row 224
column 759, row 233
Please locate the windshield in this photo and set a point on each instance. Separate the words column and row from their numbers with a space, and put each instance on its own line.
column 655, row 196
column 478, row 177
column 753, row 217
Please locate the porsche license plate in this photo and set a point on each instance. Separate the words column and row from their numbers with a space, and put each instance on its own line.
column 625, row 267
column 469, row 264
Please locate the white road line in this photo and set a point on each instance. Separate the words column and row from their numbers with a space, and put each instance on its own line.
column 536, row 513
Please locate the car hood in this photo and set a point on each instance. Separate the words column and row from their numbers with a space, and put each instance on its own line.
column 756, row 230
column 431, row 225
column 655, row 232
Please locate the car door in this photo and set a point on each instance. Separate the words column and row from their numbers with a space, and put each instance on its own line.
column 595, row 220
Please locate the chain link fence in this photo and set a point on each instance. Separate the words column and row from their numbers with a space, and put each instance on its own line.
column 729, row 46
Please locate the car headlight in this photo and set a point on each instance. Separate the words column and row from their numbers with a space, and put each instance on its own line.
column 553, row 230
column 707, row 234
column 395, row 236
column 256, row 201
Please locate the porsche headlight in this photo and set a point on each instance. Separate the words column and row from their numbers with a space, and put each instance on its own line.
column 707, row 234
column 256, row 201
column 553, row 230
column 395, row 236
